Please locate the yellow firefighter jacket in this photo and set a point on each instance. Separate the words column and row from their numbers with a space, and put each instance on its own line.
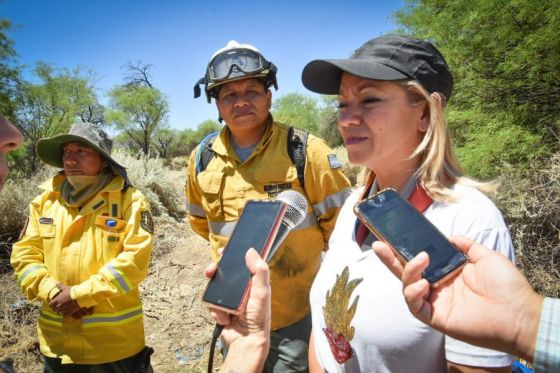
column 216, row 196
column 104, row 266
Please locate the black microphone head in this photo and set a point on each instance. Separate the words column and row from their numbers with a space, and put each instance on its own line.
column 296, row 207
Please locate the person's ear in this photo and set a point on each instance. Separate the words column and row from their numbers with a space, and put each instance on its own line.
column 269, row 98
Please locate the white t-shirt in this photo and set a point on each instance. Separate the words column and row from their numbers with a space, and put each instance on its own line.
column 382, row 334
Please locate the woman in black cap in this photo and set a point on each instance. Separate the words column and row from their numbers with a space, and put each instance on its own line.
column 391, row 95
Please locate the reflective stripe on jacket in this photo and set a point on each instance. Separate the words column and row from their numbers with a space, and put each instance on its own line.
column 102, row 264
column 216, row 196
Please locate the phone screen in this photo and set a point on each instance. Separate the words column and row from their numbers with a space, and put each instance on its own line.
column 409, row 233
column 256, row 229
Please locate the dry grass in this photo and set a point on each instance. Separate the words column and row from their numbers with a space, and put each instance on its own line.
column 531, row 205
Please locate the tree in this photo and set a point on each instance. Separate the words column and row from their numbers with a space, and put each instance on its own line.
column 328, row 122
column 137, row 108
column 9, row 70
column 297, row 110
column 49, row 107
column 94, row 113
column 163, row 141
column 505, row 57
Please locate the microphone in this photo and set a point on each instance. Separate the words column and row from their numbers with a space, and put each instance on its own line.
column 296, row 209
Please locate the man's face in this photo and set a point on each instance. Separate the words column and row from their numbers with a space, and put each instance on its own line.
column 10, row 138
column 80, row 159
column 244, row 104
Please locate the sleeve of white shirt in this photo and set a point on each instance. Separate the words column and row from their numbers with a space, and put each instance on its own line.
column 466, row 354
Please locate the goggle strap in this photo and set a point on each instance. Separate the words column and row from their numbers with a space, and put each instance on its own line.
column 197, row 91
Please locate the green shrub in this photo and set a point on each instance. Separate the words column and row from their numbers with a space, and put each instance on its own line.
column 485, row 144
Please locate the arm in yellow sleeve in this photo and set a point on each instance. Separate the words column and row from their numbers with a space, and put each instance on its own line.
column 124, row 272
column 326, row 185
column 28, row 260
column 196, row 215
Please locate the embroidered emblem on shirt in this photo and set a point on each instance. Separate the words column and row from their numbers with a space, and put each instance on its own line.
column 338, row 316
column 46, row 220
column 146, row 221
column 334, row 161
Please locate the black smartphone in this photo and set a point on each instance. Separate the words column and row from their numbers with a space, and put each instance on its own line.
column 256, row 228
column 394, row 221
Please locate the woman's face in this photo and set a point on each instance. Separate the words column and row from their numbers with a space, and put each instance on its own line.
column 380, row 126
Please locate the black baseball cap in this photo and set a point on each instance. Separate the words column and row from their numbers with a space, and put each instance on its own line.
column 389, row 57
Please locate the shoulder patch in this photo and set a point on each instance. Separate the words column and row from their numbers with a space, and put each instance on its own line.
column 334, row 162
column 146, row 221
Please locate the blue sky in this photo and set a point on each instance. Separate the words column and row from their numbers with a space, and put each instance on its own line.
column 179, row 37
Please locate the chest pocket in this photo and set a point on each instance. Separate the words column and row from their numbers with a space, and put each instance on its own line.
column 110, row 238
column 210, row 183
column 47, row 233
column 275, row 172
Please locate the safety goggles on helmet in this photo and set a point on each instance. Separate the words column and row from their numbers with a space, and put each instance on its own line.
column 236, row 62
column 233, row 64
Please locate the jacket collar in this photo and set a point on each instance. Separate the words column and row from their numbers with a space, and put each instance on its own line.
column 222, row 146
column 53, row 184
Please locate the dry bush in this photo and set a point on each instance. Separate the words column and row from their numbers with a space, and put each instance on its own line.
column 18, row 335
column 531, row 205
column 180, row 163
column 160, row 185
column 15, row 198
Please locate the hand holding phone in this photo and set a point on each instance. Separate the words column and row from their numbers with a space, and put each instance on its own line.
column 256, row 228
column 394, row 221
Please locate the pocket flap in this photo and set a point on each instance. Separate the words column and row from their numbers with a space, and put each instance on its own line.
column 47, row 230
column 210, row 181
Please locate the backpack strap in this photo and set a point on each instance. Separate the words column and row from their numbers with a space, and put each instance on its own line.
column 204, row 152
column 297, row 150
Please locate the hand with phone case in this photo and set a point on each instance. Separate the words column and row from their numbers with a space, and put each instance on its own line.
column 256, row 228
column 489, row 304
column 393, row 220
column 248, row 333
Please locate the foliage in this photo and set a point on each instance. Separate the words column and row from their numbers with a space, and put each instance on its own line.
column 505, row 58
column 485, row 143
column 328, row 122
column 138, row 112
column 505, row 55
column 9, row 71
column 137, row 108
column 49, row 107
column 297, row 110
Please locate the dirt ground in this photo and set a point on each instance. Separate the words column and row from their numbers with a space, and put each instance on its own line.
column 177, row 324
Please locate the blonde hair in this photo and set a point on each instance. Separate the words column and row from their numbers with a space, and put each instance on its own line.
column 439, row 166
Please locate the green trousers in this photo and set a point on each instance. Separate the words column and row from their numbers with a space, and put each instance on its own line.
column 289, row 347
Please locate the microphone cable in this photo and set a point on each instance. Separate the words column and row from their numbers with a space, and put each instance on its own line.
column 215, row 334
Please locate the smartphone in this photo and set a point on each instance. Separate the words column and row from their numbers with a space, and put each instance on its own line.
column 394, row 221
column 256, row 228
